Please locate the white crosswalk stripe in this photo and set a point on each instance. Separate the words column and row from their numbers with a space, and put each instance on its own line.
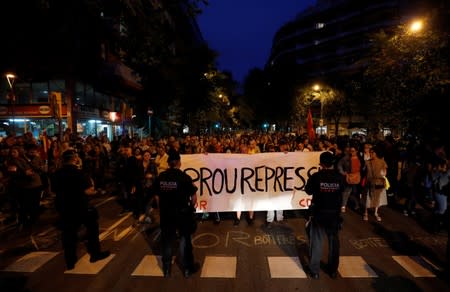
column 355, row 267
column 150, row 265
column 31, row 262
column 286, row 267
column 83, row 266
column 219, row 267
column 226, row 266
column 415, row 265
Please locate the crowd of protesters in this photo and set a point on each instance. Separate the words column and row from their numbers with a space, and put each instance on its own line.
column 417, row 171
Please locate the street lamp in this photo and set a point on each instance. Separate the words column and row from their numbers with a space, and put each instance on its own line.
column 150, row 114
column 113, row 117
column 317, row 88
column 12, row 97
column 416, row 26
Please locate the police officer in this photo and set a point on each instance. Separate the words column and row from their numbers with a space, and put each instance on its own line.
column 177, row 198
column 72, row 188
column 326, row 187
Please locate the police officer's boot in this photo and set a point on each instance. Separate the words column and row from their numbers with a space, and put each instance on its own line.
column 166, row 270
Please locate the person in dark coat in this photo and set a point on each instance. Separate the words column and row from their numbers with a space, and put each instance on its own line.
column 72, row 187
column 25, row 184
column 326, row 187
column 177, row 198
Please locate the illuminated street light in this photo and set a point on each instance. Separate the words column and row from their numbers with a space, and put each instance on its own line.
column 416, row 26
column 316, row 87
column 10, row 77
column 322, row 94
column 12, row 97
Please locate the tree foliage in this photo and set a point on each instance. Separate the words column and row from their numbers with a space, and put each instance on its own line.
column 332, row 102
column 151, row 28
column 407, row 75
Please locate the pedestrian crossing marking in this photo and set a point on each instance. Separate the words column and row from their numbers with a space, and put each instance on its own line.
column 219, row 267
column 415, row 265
column 285, row 267
column 112, row 228
column 31, row 261
column 150, row 265
column 355, row 267
column 83, row 266
column 225, row 267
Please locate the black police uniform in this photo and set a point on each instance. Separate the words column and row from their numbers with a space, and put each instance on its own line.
column 69, row 183
column 175, row 189
column 326, row 188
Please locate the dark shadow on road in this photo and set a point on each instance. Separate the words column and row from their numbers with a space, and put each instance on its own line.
column 402, row 243
column 289, row 240
column 395, row 284
column 13, row 283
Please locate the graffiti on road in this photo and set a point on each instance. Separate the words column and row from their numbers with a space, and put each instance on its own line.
column 379, row 242
column 210, row 240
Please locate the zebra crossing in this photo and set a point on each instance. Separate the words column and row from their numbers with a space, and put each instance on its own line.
column 226, row 266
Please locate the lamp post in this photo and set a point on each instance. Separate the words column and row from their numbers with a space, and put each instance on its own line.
column 113, row 118
column 317, row 88
column 12, row 97
column 150, row 114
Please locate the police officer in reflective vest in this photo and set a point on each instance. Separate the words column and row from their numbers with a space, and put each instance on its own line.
column 177, row 198
column 326, row 187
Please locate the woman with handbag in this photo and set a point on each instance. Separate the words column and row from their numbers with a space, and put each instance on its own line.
column 351, row 166
column 375, row 190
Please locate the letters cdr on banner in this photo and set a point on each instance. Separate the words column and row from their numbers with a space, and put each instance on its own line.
column 259, row 182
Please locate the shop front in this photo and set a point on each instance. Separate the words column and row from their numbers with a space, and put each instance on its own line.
column 34, row 118
column 92, row 121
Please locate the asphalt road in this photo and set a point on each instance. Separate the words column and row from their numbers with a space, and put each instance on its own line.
column 397, row 254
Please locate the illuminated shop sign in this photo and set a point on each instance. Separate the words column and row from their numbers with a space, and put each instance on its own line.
column 38, row 110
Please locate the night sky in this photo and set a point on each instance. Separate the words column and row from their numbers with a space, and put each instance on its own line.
column 241, row 31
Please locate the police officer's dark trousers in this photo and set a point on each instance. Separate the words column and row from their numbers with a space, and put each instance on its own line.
column 70, row 228
column 317, row 234
column 168, row 237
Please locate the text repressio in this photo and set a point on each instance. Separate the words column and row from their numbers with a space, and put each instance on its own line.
column 257, row 179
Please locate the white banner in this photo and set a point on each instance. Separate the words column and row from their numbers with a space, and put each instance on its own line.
column 258, row 182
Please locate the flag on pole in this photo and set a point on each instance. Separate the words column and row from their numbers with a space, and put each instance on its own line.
column 310, row 127
column 45, row 144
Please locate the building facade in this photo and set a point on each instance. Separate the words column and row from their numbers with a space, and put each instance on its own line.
column 330, row 42
column 66, row 70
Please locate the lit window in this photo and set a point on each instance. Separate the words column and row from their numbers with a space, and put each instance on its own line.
column 320, row 25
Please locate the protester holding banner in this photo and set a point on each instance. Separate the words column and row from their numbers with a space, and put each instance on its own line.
column 252, row 148
column 326, row 187
column 270, row 217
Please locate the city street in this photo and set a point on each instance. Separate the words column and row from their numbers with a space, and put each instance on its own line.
column 225, row 106
column 397, row 254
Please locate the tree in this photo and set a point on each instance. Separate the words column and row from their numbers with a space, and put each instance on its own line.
column 408, row 75
column 151, row 27
column 161, row 41
column 333, row 103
